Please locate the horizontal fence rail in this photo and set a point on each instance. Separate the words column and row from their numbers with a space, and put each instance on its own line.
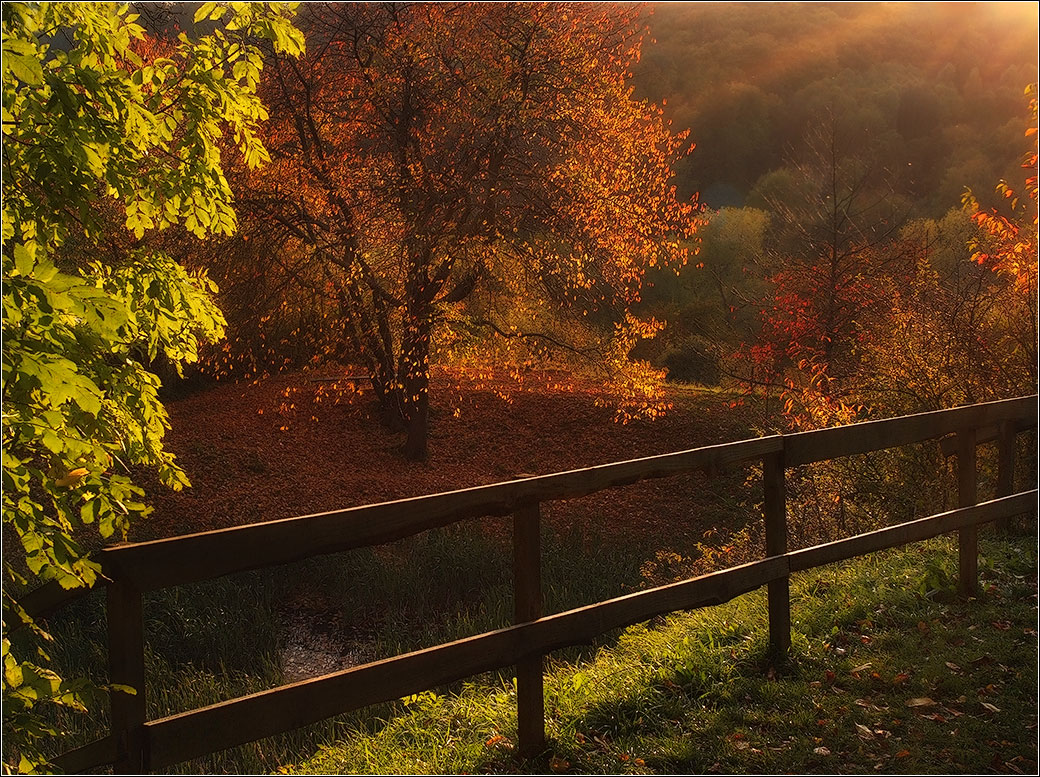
column 206, row 555
column 838, row 441
column 194, row 557
column 136, row 744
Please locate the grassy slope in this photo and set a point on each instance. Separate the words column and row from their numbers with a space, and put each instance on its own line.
column 882, row 677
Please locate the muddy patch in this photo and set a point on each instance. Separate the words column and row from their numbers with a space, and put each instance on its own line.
column 317, row 641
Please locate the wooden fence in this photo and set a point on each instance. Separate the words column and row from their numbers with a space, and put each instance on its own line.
column 136, row 744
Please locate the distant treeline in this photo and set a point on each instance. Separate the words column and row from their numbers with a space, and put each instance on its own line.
column 932, row 92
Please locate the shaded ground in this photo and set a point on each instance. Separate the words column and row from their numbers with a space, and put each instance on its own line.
column 291, row 445
column 300, row 444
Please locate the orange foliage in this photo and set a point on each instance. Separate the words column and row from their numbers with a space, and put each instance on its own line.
column 461, row 180
column 1007, row 242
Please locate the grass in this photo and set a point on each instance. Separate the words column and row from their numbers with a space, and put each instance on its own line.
column 888, row 672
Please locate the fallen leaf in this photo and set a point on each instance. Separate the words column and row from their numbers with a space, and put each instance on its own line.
column 902, row 754
column 822, row 751
column 952, row 666
column 861, row 667
column 920, row 701
column 73, row 477
column 864, row 732
column 559, row 764
column 991, row 707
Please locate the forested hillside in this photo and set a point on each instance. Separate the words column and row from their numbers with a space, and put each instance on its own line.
column 930, row 91
column 848, row 158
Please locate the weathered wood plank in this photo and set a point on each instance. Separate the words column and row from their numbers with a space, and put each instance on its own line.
column 90, row 756
column 126, row 667
column 191, row 734
column 527, row 564
column 42, row 601
column 824, row 444
column 967, row 495
column 527, row 603
column 911, row 531
column 987, row 434
column 207, row 555
column 779, row 591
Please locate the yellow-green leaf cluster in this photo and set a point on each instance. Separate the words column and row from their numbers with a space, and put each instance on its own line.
column 98, row 118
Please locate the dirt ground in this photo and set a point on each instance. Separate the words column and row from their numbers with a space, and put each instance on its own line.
column 301, row 443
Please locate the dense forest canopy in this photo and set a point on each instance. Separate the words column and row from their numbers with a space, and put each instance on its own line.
column 937, row 86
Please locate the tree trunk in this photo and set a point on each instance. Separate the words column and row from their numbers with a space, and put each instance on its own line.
column 415, row 446
column 415, row 384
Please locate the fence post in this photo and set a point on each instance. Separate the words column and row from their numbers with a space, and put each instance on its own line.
column 527, row 602
column 775, row 508
column 967, row 537
column 1005, row 465
column 126, row 667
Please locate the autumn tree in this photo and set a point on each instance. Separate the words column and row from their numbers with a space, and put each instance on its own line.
column 483, row 167
column 96, row 135
column 829, row 260
column 965, row 329
column 1005, row 241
